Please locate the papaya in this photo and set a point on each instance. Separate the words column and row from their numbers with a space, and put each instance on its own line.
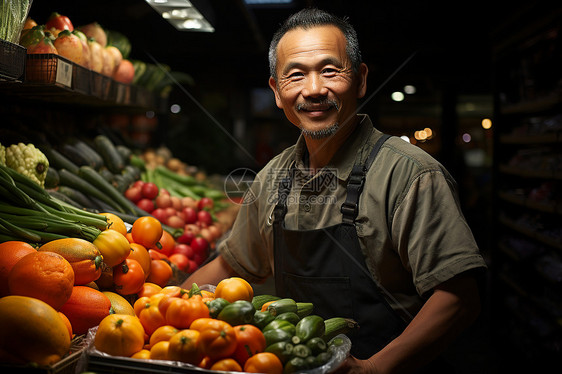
column 119, row 304
column 85, row 308
column 31, row 331
column 84, row 257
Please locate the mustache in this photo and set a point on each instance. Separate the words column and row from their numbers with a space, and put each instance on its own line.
column 312, row 104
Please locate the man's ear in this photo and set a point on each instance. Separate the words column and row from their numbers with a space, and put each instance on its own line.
column 273, row 86
column 362, row 80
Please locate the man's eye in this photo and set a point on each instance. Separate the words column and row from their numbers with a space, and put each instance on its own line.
column 295, row 74
column 329, row 71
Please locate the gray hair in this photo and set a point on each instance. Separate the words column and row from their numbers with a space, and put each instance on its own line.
column 311, row 17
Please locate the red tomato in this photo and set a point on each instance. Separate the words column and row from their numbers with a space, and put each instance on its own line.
column 128, row 277
column 180, row 260
column 59, row 22
column 199, row 245
column 160, row 214
column 133, row 193
column 190, row 214
column 183, row 249
column 250, row 340
column 146, row 204
column 167, row 243
column 186, row 238
column 149, row 190
column 205, row 217
column 205, row 203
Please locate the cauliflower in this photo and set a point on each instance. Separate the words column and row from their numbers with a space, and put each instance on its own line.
column 29, row 161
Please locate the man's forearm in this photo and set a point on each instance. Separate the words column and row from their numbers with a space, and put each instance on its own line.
column 212, row 273
column 450, row 310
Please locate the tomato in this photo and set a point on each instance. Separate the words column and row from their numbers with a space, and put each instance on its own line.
column 234, row 288
column 150, row 317
column 149, row 190
column 59, row 22
column 159, row 351
column 119, row 335
column 113, row 246
column 146, row 231
column 146, row 204
column 114, row 222
column 218, row 341
column 249, row 341
column 186, row 238
column 205, row 217
column 140, row 254
column 160, row 272
column 184, row 346
column 264, row 362
column 205, row 203
column 167, row 243
column 226, row 364
column 183, row 249
column 180, row 260
column 162, row 333
column 206, row 322
column 182, row 312
column 141, row 303
column 133, row 194
column 128, row 277
column 148, row 289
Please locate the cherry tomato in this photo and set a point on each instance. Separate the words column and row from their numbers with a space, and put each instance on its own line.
column 249, row 341
column 149, row 190
column 128, row 277
column 147, row 231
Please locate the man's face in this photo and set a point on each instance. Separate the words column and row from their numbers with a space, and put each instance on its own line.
column 316, row 86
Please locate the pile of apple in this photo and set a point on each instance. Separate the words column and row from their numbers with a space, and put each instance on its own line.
column 200, row 232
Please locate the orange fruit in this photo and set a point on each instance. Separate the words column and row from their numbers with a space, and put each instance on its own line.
column 10, row 253
column 85, row 308
column 160, row 272
column 31, row 331
column 114, row 222
column 45, row 276
column 67, row 324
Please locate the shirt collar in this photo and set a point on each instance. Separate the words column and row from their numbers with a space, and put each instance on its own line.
column 350, row 152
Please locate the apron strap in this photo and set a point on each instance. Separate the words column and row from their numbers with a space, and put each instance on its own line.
column 282, row 193
column 350, row 207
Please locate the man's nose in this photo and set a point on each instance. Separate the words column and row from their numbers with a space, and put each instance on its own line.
column 314, row 86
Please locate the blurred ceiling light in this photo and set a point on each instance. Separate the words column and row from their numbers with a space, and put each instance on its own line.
column 409, row 89
column 487, row 123
column 397, row 96
column 182, row 15
column 466, row 137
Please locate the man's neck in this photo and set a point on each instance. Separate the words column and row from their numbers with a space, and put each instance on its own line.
column 321, row 151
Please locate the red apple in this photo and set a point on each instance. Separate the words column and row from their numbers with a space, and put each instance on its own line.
column 186, row 238
column 160, row 214
column 191, row 267
column 149, row 190
column 205, row 203
column 200, row 245
column 146, row 205
column 190, row 215
column 204, row 217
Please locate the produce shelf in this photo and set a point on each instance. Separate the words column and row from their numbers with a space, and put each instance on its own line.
column 12, row 61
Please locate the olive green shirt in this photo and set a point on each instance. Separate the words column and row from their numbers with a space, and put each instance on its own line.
column 410, row 225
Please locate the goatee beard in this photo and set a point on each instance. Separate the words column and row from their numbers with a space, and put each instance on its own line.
column 322, row 133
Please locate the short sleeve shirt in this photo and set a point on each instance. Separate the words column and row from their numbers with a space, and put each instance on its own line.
column 410, row 225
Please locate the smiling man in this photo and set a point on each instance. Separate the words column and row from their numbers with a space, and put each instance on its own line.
column 363, row 225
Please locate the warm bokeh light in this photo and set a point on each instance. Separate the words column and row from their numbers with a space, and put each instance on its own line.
column 397, row 96
column 409, row 89
column 487, row 123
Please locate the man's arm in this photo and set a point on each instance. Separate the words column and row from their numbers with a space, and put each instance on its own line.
column 452, row 307
column 211, row 273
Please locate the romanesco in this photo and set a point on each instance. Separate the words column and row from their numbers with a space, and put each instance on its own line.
column 29, row 161
column 2, row 155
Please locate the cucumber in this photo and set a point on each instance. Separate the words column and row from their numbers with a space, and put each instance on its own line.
column 262, row 319
column 111, row 156
column 282, row 306
column 276, row 335
column 322, row 358
column 259, row 300
column 239, row 312
column 124, row 151
column 112, row 196
column 317, row 345
column 338, row 325
column 304, row 309
column 295, row 365
column 289, row 316
column 106, row 174
column 301, row 350
column 59, row 161
column 75, row 155
column 309, row 327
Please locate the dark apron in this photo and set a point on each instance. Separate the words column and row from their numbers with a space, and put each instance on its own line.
column 326, row 267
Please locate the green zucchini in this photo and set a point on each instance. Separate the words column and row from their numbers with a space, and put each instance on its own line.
column 52, row 178
column 124, row 151
column 281, row 349
column 317, row 345
column 77, row 196
column 289, row 316
column 239, row 312
column 59, row 161
column 262, row 319
column 116, row 198
column 295, row 365
column 310, row 327
column 106, row 174
column 301, row 350
column 93, row 157
column 111, row 156
column 72, row 180
column 259, row 300
column 338, row 325
column 304, row 309
column 280, row 324
column 75, row 155
column 282, row 306
column 276, row 335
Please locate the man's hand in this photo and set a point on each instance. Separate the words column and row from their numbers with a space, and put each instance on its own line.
column 354, row 366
